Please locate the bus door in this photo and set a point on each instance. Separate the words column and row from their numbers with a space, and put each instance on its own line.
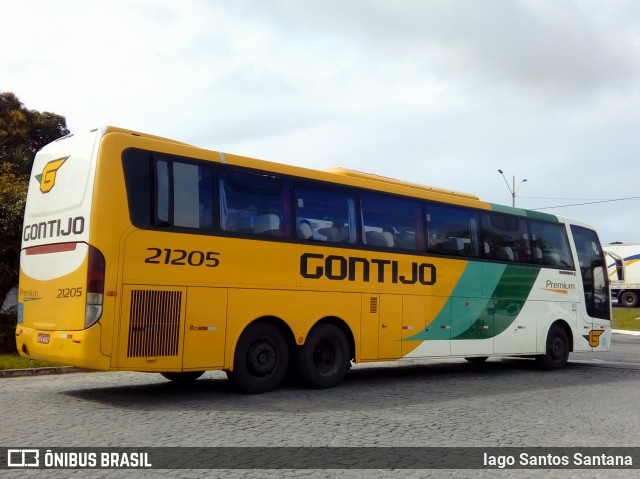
column 596, row 310
column 381, row 326
column 430, row 318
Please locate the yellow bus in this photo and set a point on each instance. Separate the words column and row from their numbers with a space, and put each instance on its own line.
column 144, row 254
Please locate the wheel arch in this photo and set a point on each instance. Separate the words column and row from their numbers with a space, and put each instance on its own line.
column 567, row 329
column 279, row 323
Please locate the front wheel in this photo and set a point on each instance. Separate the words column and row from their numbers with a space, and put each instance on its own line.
column 557, row 349
column 324, row 359
column 261, row 359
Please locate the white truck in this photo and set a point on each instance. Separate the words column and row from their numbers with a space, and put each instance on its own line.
column 627, row 289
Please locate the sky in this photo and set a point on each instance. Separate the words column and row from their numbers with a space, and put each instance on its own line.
column 443, row 93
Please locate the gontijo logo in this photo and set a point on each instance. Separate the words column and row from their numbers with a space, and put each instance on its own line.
column 47, row 178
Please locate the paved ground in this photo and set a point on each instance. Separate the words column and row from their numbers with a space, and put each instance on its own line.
column 421, row 403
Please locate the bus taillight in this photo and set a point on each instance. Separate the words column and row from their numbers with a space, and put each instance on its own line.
column 95, row 286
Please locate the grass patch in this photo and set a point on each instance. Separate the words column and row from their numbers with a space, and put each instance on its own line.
column 13, row 361
column 626, row 318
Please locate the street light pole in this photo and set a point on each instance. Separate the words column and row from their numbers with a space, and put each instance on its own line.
column 512, row 189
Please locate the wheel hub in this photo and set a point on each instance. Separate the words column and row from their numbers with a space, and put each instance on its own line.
column 262, row 359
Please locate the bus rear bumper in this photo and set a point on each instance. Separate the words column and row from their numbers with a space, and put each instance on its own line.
column 72, row 348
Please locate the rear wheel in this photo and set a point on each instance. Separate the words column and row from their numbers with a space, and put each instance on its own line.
column 324, row 359
column 183, row 378
column 557, row 349
column 261, row 359
column 629, row 299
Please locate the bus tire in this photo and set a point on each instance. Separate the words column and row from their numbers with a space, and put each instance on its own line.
column 261, row 359
column 323, row 361
column 184, row 377
column 628, row 299
column 556, row 349
column 477, row 359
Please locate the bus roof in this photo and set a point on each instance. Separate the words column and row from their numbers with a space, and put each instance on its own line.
column 393, row 181
column 115, row 129
column 347, row 176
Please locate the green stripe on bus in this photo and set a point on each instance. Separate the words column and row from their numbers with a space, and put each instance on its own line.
column 467, row 287
column 469, row 316
column 534, row 215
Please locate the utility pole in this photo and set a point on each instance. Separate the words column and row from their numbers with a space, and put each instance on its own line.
column 512, row 189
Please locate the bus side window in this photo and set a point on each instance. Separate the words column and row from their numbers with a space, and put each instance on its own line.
column 452, row 231
column 163, row 193
column 253, row 203
column 550, row 245
column 192, row 196
column 325, row 215
column 506, row 238
column 390, row 222
column 183, row 194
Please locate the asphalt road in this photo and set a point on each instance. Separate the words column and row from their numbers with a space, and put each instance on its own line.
column 503, row 402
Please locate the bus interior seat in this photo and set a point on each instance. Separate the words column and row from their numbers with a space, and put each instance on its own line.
column 453, row 246
column 345, row 234
column 388, row 239
column 551, row 259
column 304, row 230
column 332, row 233
column 537, row 255
column 239, row 223
column 375, row 238
column 504, row 253
column 267, row 224
column 407, row 240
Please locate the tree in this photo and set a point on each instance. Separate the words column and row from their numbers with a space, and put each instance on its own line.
column 22, row 133
column 13, row 194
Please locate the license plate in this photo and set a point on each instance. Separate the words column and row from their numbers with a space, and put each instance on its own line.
column 43, row 338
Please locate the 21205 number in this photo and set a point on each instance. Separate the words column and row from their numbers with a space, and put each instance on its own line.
column 69, row 292
column 180, row 257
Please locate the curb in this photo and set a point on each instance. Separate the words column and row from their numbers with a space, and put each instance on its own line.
column 622, row 331
column 17, row 373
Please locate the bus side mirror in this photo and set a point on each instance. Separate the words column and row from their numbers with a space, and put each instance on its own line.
column 618, row 264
